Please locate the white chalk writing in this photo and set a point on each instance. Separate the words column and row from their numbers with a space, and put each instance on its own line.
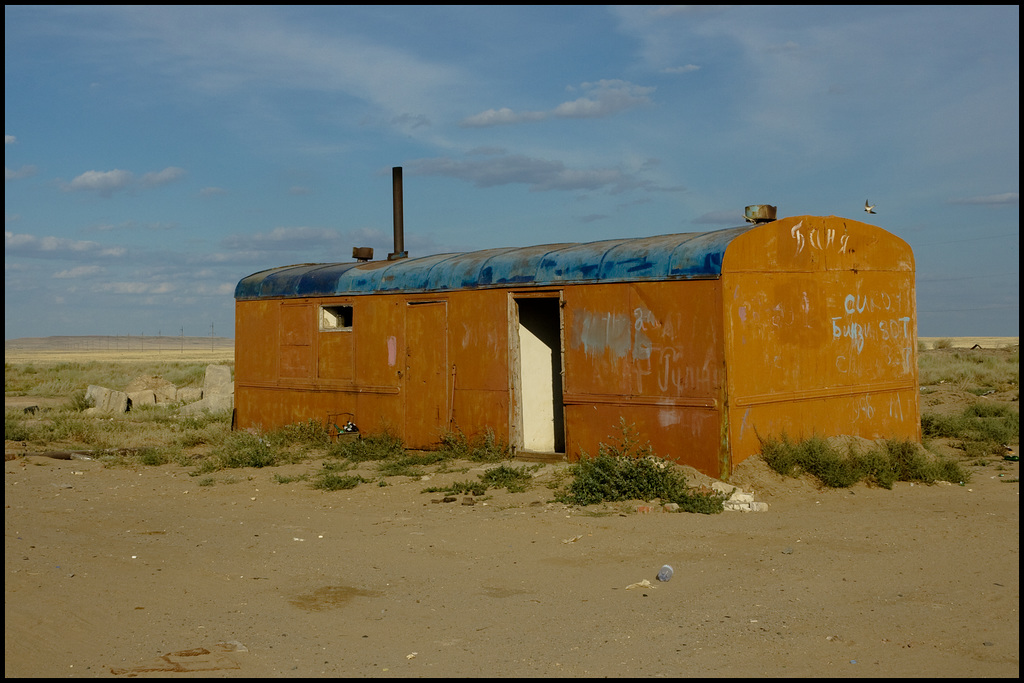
column 818, row 239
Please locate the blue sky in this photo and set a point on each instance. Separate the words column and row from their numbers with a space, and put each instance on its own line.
column 154, row 156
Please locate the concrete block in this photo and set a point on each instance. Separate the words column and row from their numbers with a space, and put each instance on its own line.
column 146, row 397
column 218, row 380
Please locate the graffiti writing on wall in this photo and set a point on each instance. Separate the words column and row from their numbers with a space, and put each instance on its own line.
column 818, row 239
column 864, row 410
column 659, row 360
column 671, row 370
column 874, row 317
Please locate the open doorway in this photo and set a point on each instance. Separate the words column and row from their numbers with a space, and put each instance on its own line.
column 537, row 360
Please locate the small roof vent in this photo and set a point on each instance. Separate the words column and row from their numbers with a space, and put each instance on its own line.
column 760, row 213
column 362, row 253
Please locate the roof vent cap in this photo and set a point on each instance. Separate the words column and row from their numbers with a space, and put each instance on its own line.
column 760, row 213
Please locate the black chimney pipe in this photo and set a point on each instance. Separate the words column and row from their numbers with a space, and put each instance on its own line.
column 396, row 182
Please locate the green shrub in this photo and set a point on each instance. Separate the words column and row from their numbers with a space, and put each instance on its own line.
column 616, row 478
column 408, row 464
column 69, row 428
column 473, row 488
column 243, row 449
column 16, row 428
column 152, row 457
column 481, row 448
column 371, row 447
column 334, row 481
column 310, row 433
column 78, row 401
column 630, row 471
column 895, row 460
column 981, row 428
column 512, row 479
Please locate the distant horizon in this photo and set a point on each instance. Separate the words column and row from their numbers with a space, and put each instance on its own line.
column 21, row 343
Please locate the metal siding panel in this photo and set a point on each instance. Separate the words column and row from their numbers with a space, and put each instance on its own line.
column 336, row 355
column 477, row 323
column 598, row 340
column 688, row 436
column 822, row 333
column 426, row 375
column 297, row 353
column 379, row 338
column 254, row 358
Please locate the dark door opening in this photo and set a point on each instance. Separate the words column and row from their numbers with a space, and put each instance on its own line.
column 539, row 366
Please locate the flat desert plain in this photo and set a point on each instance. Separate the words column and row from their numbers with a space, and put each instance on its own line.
column 119, row 572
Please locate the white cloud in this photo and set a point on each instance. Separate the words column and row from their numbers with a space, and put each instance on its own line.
column 9, row 139
column 75, row 273
column 105, row 183
column 23, row 172
column 123, row 287
column 499, row 117
column 157, row 178
column 212, row 191
column 603, row 98
column 688, row 68
column 56, row 247
column 131, row 225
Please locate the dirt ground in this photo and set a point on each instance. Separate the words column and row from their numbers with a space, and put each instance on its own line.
column 115, row 572
column 141, row 573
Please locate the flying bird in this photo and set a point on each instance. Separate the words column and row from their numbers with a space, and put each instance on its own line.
column 869, row 209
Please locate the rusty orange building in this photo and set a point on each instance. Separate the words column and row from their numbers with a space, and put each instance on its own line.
column 702, row 341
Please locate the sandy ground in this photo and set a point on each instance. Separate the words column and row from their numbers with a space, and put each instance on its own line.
column 118, row 572
column 141, row 573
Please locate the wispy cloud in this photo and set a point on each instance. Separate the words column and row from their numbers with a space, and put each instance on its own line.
column 223, row 51
column 23, row 172
column 134, row 288
column 290, row 238
column 212, row 191
column 78, row 272
column 106, row 183
column 602, row 98
column 132, row 226
column 158, row 178
column 56, row 247
column 9, row 139
column 685, row 69
column 538, row 174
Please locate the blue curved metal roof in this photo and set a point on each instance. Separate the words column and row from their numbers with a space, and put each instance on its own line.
column 665, row 257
